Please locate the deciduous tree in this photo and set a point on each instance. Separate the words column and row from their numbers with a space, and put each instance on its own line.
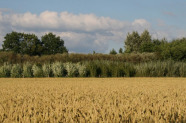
column 52, row 44
column 132, row 42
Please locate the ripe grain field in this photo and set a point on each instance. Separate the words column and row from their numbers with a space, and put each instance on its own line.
column 93, row 100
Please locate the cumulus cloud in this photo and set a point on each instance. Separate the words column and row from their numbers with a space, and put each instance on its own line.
column 81, row 32
column 64, row 21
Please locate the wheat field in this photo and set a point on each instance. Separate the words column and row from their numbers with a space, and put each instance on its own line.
column 93, row 100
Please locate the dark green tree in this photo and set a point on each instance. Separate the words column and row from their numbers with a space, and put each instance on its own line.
column 22, row 43
column 30, row 45
column 132, row 42
column 145, row 37
column 52, row 44
column 113, row 52
column 178, row 49
column 120, row 50
column 147, row 47
column 12, row 42
column 146, row 42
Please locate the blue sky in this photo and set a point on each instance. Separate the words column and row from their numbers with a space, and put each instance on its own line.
column 99, row 25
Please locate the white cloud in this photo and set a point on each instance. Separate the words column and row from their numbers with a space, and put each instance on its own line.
column 141, row 22
column 81, row 32
column 64, row 21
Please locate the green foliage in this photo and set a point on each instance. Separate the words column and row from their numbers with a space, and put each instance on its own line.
column 145, row 37
column 16, row 71
column 74, row 58
column 132, row 42
column 182, row 70
column 12, row 42
column 71, row 69
column 105, row 69
column 37, row 71
column 175, row 50
column 82, row 70
column 97, row 68
column 120, row 50
column 147, row 47
column 5, row 70
column 27, row 70
column 58, row 69
column 161, row 69
column 47, row 71
column 113, row 52
column 138, row 43
column 178, row 49
column 52, row 44
column 30, row 44
column 129, row 69
column 93, row 69
column 151, row 69
column 110, row 69
column 22, row 43
column 117, row 69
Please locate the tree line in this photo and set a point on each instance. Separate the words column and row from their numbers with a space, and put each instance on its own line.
column 135, row 43
column 30, row 44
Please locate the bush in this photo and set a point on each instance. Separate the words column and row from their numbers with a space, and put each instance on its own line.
column 105, row 69
column 71, row 69
column 113, row 52
column 47, row 71
column 151, row 69
column 16, row 71
column 182, row 70
column 93, row 69
column 27, row 70
column 5, row 70
column 129, row 70
column 58, row 69
column 37, row 71
column 82, row 71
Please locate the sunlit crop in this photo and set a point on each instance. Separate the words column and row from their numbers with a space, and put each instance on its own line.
column 93, row 100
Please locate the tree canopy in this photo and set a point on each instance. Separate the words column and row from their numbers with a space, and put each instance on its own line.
column 113, row 52
column 132, row 42
column 52, row 44
column 30, row 44
column 175, row 49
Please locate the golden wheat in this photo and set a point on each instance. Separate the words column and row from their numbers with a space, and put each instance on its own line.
column 93, row 100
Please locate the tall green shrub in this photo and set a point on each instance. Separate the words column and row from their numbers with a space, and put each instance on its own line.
column 27, row 70
column 47, row 71
column 5, row 70
column 93, row 69
column 71, row 69
column 16, row 71
column 129, row 70
column 82, row 70
column 37, row 71
column 58, row 69
column 105, row 70
column 182, row 70
column 151, row 69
